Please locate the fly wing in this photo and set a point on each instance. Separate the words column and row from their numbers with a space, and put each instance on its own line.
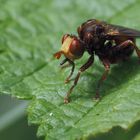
column 116, row 30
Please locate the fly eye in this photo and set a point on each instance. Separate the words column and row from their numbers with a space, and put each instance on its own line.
column 76, row 48
column 75, row 43
column 64, row 37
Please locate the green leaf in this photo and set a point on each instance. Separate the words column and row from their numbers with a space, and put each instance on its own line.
column 30, row 32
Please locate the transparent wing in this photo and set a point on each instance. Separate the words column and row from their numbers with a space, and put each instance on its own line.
column 116, row 30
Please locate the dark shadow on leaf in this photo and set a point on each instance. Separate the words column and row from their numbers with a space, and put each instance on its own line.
column 119, row 74
column 118, row 133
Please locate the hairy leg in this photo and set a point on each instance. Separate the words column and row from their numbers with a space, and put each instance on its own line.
column 116, row 49
column 82, row 69
column 103, row 77
column 72, row 69
column 128, row 43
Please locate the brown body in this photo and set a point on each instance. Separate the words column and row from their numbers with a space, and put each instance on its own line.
column 106, row 44
column 111, row 43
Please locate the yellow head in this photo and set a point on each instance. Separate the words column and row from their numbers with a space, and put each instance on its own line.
column 72, row 48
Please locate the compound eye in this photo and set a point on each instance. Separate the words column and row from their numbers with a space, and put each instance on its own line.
column 75, row 43
column 76, row 48
column 64, row 37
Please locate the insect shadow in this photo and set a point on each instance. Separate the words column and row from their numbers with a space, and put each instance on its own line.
column 119, row 74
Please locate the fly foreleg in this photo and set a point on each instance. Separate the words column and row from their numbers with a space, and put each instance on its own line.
column 82, row 69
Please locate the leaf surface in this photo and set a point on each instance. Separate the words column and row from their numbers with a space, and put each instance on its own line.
column 30, row 34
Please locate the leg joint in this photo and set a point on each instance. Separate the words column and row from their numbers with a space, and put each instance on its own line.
column 128, row 42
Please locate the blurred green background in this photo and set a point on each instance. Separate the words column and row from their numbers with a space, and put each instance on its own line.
column 13, row 120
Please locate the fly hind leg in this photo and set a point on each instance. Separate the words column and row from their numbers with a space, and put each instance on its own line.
column 106, row 64
column 128, row 44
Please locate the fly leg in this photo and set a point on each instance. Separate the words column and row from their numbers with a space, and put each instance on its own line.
column 82, row 69
column 72, row 69
column 115, row 49
column 63, row 62
column 103, row 77
column 129, row 43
